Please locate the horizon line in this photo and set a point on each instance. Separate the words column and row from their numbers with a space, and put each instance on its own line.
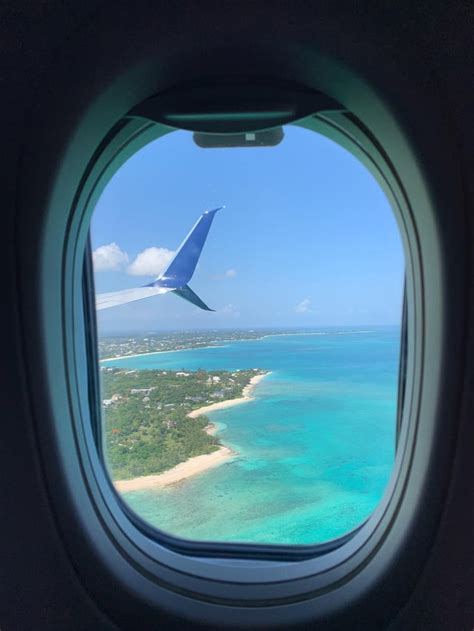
column 241, row 328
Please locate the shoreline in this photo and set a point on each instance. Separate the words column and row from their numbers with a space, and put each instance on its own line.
column 222, row 405
column 179, row 473
column 177, row 350
column 231, row 341
column 197, row 464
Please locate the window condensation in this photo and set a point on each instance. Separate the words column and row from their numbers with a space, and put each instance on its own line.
column 249, row 320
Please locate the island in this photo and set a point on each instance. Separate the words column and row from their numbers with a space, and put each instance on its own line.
column 112, row 347
column 156, row 432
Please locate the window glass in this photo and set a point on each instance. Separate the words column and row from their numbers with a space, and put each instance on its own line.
column 249, row 356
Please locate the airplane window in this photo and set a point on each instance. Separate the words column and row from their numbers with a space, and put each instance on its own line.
column 249, row 310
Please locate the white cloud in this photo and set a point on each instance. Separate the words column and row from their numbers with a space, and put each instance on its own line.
column 150, row 262
column 230, row 310
column 230, row 273
column 109, row 258
column 303, row 306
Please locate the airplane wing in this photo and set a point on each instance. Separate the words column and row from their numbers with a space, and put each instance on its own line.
column 180, row 270
column 176, row 275
column 188, row 294
column 115, row 298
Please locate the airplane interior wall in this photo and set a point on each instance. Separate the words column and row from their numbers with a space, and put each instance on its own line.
column 415, row 52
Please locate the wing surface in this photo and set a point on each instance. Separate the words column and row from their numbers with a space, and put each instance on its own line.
column 188, row 294
column 115, row 298
column 176, row 275
column 180, row 270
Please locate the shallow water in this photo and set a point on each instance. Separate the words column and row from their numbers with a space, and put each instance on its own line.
column 315, row 448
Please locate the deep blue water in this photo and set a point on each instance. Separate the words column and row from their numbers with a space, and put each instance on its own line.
column 316, row 447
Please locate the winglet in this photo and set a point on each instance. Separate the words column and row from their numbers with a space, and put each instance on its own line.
column 188, row 294
column 176, row 276
column 179, row 272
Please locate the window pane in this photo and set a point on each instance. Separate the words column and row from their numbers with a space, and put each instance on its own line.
column 272, row 418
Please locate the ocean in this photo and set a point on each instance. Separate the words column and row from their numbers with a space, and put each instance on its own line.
column 315, row 448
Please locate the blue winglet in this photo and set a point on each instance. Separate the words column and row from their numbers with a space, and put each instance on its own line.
column 180, row 270
column 176, row 276
column 188, row 294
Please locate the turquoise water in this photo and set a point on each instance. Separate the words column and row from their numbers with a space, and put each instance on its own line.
column 315, row 448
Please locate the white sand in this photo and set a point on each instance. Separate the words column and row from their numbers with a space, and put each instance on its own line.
column 182, row 471
column 222, row 405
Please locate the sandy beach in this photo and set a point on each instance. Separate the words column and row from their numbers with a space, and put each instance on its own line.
column 197, row 464
column 222, row 405
column 181, row 472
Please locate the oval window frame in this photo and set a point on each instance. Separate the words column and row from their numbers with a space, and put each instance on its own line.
column 122, row 142
column 129, row 137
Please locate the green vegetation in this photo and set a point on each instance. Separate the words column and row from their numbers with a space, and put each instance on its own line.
column 124, row 345
column 147, row 430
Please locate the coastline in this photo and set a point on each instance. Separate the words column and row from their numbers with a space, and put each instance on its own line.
column 250, row 339
column 197, row 464
column 180, row 472
column 222, row 405
column 177, row 350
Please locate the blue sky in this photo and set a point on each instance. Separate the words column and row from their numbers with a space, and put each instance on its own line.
column 307, row 237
